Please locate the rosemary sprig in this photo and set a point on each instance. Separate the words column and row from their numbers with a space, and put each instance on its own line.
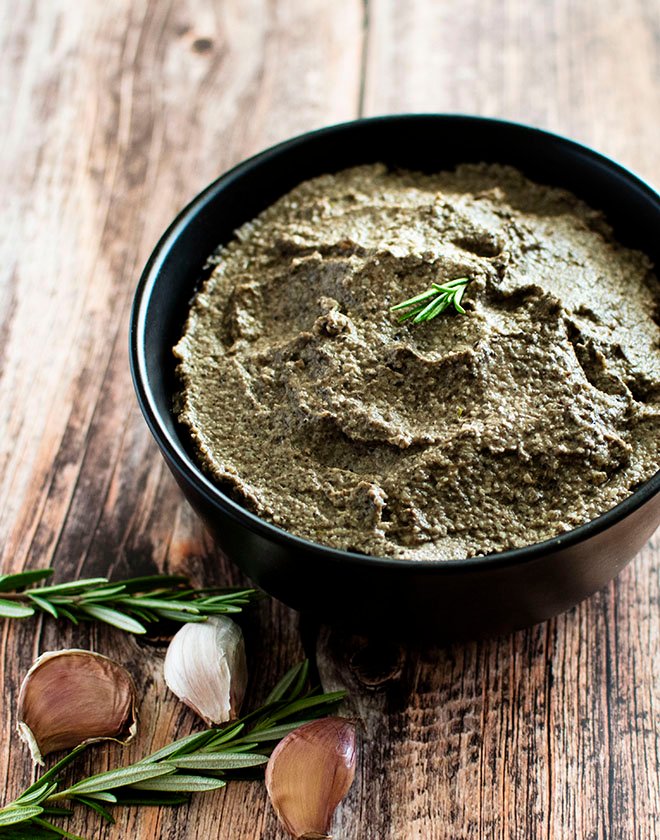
column 128, row 604
column 200, row 762
column 433, row 301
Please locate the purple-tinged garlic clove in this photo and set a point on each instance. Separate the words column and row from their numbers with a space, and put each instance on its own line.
column 309, row 773
column 72, row 697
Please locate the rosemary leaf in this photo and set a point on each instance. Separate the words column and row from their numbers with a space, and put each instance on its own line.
column 156, row 798
column 25, row 831
column 43, row 604
column 235, row 747
column 102, row 796
column 158, row 603
column 103, row 593
column 60, row 832
column 219, row 761
column 8, row 583
column 118, row 778
column 113, row 617
column 439, row 303
column 96, row 807
column 181, row 784
column 13, row 814
column 244, row 594
column 68, row 614
column 10, row 609
column 56, row 770
column 69, row 587
column 436, row 307
column 146, row 616
column 189, row 743
column 457, row 300
column 274, row 733
column 307, row 703
column 413, row 300
column 221, row 609
column 42, row 791
column 29, row 831
column 293, row 677
column 184, row 618
column 225, row 735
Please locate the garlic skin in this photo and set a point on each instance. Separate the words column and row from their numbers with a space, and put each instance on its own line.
column 71, row 697
column 205, row 667
column 309, row 773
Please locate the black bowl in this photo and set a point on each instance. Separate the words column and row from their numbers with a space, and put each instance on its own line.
column 458, row 598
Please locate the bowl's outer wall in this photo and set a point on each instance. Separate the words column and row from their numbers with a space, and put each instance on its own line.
column 456, row 602
column 466, row 599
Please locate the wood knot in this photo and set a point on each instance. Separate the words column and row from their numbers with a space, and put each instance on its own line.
column 375, row 664
column 202, row 45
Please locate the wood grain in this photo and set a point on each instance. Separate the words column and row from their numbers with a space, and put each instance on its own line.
column 115, row 115
column 119, row 113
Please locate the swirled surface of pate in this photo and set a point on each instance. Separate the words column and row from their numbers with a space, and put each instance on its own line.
column 310, row 402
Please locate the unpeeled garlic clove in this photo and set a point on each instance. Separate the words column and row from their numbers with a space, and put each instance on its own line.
column 72, row 697
column 205, row 667
column 309, row 773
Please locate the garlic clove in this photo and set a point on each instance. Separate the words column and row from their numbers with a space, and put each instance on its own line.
column 309, row 773
column 205, row 667
column 72, row 697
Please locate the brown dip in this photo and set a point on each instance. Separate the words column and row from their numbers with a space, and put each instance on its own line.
column 532, row 413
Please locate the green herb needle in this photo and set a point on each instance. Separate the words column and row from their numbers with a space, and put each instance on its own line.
column 434, row 301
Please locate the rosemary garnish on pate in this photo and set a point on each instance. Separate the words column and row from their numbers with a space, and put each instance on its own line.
column 127, row 604
column 434, row 301
column 199, row 762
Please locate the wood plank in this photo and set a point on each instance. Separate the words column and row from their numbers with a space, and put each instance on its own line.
column 118, row 114
column 588, row 70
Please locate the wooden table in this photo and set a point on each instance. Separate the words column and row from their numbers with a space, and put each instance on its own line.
column 114, row 116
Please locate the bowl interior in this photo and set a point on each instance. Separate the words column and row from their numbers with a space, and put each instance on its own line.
column 422, row 142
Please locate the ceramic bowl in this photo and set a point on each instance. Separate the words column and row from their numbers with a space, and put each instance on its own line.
column 457, row 598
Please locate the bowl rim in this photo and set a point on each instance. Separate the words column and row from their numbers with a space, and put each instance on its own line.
column 204, row 486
